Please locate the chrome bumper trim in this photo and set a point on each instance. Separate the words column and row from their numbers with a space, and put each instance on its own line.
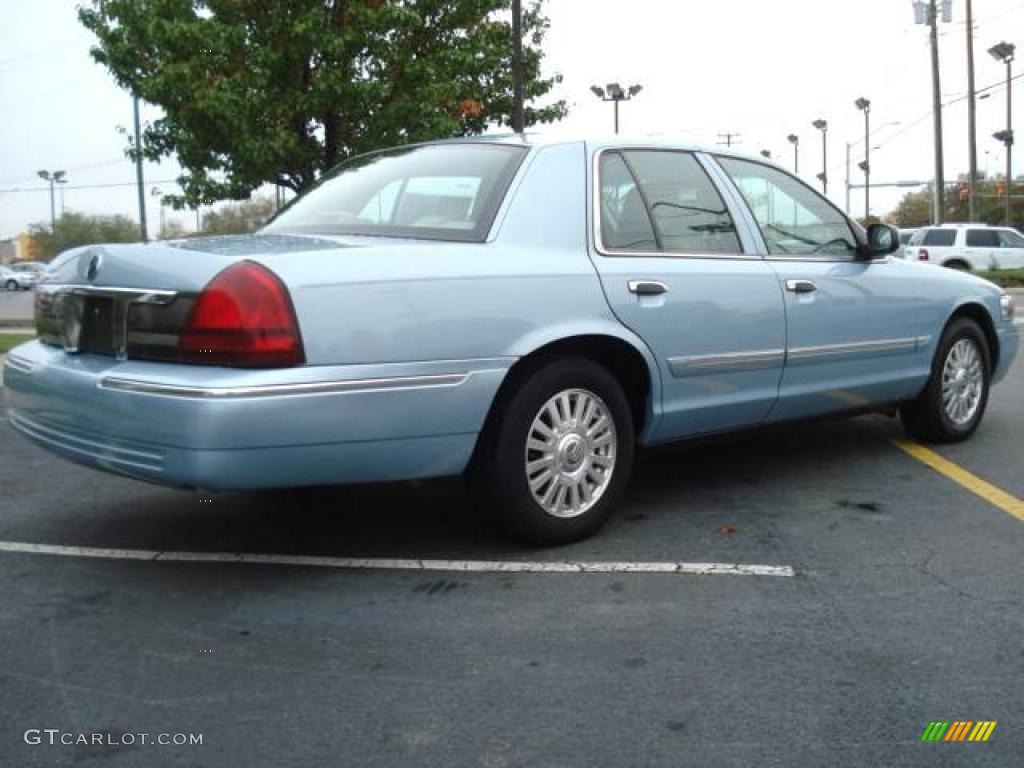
column 276, row 390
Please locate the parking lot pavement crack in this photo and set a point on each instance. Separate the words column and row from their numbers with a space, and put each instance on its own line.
column 924, row 569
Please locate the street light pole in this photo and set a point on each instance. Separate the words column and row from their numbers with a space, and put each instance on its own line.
column 53, row 177
column 615, row 93
column 1004, row 52
column 795, row 141
column 864, row 105
column 822, row 125
column 155, row 192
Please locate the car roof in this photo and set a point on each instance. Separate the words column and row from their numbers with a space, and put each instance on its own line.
column 602, row 141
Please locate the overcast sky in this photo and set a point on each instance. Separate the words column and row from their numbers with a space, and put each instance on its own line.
column 756, row 68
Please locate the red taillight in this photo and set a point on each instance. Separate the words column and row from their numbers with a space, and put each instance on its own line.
column 922, row 254
column 243, row 317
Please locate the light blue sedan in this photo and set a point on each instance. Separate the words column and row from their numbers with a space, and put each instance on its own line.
column 526, row 311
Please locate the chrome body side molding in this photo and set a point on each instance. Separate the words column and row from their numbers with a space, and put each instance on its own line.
column 278, row 390
column 697, row 365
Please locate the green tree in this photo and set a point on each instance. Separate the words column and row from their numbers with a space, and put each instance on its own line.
column 74, row 229
column 258, row 91
column 915, row 209
column 238, row 218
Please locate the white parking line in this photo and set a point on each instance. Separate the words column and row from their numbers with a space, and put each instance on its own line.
column 394, row 564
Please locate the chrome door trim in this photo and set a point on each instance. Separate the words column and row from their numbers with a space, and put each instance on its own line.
column 731, row 362
column 134, row 295
column 854, row 349
column 275, row 390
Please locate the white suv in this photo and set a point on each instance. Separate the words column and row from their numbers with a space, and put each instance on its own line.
column 971, row 246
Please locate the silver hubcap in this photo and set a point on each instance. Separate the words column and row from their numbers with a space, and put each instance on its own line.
column 962, row 382
column 570, row 453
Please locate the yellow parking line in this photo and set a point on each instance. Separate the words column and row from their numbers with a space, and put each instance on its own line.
column 990, row 493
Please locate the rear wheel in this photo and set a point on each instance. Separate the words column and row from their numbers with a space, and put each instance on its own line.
column 557, row 456
column 956, row 264
column 953, row 401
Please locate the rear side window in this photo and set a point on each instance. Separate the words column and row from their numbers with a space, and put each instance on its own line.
column 435, row 191
column 939, row 237
column 663, row 200
column 625, row 223
column 1010, row 239
column 982, row 238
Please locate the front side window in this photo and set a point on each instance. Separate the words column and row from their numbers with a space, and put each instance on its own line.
column 663, row 200
column 982, row 238
column 939, row 237
column 437, row 192
column 1010, row 239
column 794, row 219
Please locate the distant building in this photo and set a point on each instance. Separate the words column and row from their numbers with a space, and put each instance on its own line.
column 8, row 251
column 25, row 248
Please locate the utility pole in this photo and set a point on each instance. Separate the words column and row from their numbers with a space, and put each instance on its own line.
column 927, row 12
column 138, row 174
column 972, row 138
column 728, row 139
column 518, row 120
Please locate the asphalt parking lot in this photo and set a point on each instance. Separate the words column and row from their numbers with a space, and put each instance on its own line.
column 904, row 607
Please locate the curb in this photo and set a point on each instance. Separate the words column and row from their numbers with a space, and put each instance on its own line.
column 17, row 322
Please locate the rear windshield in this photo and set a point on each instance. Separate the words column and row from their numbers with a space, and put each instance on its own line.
column 437, row 192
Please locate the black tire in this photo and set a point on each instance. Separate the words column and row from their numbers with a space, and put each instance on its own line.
column 960, row 266
column 926, row 417
column 499, row 473
column 11, row 285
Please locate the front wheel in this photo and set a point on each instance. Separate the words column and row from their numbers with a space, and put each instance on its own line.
column 557, row 456
column 11, row 285
column 953, row 401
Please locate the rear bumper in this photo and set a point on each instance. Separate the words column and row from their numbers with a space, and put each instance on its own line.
column 222, row 429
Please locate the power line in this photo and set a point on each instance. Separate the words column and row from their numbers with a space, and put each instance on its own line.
column 86, row 186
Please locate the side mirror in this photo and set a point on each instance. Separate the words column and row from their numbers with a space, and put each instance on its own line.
column 882, row 240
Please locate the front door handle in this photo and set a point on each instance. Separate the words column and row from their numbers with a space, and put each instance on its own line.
column 801, row 286
column 647, row 287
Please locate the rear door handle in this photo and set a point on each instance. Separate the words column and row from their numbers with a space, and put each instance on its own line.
column 647, row 287
column 801, row 286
